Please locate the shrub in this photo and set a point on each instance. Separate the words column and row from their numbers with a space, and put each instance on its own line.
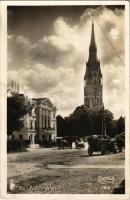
column 17, row 145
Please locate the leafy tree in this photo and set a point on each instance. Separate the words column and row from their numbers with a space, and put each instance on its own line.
column 120, row 126
column 17, row 106
column 83, row 123
column 60, row 125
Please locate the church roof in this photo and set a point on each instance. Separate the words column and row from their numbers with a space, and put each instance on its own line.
column 44, row 101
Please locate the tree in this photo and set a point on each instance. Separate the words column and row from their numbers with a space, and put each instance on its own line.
column 106, row 119
column 120, row 126
column 60, row 125
column 83, row 123
column 17, row 106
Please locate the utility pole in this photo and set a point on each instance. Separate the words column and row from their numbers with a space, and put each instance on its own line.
column 104, row 128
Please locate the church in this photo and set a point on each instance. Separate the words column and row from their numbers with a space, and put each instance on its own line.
column 93, row 85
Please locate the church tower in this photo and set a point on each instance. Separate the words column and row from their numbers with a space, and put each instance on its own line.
column 93, row 79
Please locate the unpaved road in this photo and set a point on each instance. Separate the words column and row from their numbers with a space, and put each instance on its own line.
column 64, row 171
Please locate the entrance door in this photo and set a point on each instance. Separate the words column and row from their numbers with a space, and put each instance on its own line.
column 36, row 140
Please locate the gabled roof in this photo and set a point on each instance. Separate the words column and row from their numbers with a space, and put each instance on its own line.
column 44, row 101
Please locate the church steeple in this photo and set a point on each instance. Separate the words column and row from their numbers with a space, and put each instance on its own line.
column 93, row 78
column 92, row 43
column 93, row 60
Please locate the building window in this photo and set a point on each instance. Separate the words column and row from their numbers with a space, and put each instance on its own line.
column 42, row 121
column 45, row 122
column 92, row 101
column 35, row 125
column 49, row 137
column 54, row 126
column 53, row 115
column 96, row 101
column 43, row 137
column 31, row 125
column 49, row 122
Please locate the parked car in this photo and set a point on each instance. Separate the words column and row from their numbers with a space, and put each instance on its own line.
column 103, row 145
column 63, row 144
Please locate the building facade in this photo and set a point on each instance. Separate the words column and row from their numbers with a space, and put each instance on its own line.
column 93, row 85
column 28, row 132
column 40, row 123
column 45, row 119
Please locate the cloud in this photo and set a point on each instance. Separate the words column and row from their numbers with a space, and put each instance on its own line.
column 114, row 88
column 18, row 50
column 46, row 79
column 54, row 65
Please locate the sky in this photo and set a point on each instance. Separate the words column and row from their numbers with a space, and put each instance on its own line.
column 48, row 50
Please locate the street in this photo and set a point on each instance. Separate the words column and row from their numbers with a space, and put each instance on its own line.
column 64, row 171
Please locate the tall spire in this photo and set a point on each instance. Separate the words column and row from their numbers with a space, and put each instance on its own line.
column 92, row 49
column 93, row 79
column 92, row 43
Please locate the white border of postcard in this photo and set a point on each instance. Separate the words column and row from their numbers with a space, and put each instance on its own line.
column 3, row 95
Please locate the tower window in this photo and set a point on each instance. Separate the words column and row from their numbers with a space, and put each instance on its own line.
column 31, row 125
column 96, row 102
column 92, row 101
column 53, row 115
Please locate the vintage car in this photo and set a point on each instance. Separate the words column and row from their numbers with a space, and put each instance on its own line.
column 64, row 143
column 103, row 145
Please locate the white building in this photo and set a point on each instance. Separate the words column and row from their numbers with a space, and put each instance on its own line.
column 40, row 124
column 45, row 119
